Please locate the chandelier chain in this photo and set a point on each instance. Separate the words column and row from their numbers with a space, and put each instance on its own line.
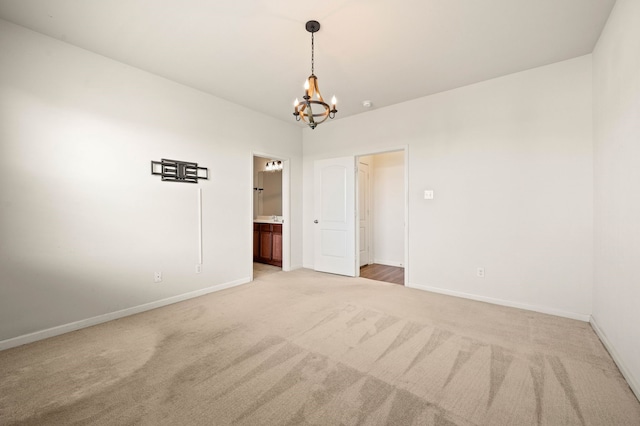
column 312, row 51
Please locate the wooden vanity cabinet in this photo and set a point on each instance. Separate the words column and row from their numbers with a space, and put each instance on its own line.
column 267, row 243
column 276, row 245
column 256, row 241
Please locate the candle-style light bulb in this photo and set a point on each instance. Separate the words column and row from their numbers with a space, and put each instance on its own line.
column 306, row 85
column 295, row 103
column 333, row 101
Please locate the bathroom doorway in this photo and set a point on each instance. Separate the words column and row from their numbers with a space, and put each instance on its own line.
column 270, row 225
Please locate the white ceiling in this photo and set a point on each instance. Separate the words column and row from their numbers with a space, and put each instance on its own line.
column 257, row 53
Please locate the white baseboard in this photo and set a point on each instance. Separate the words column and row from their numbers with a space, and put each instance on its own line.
column 66, row 328
column 535, row 308
column 634, row 384
column 387, row 262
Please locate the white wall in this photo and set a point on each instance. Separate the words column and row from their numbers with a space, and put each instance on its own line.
column 83, row 223
column 616, row 67
column 511, row 163
column 388, row 208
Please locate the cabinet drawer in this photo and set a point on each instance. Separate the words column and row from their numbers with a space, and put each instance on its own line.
column 265, row 227
column 277, row 229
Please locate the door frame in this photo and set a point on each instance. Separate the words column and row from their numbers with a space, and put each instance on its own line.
column 405, row 150
column 286, row 208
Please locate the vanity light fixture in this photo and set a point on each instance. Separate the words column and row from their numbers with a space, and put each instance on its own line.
column 273, row 166
column 312, row 97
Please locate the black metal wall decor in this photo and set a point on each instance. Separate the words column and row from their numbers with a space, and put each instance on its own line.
column 179, row 171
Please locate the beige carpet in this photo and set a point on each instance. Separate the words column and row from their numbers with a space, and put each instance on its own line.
column 303, row 348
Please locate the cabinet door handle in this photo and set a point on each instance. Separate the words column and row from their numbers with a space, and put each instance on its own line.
column 315, row 221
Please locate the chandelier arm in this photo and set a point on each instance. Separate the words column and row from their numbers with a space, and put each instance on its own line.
column 316, row 89
column 325, row 110
column 302, row 111
column 310, row 115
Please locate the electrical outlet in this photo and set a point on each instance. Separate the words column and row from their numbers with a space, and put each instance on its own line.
column 428, row 194
column 157, row 277
column 480, row 272
column 198, row 268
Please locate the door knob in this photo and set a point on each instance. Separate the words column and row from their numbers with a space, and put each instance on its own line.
column 315, row 221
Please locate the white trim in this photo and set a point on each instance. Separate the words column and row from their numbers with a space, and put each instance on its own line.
column 252, row 198
column 386, row 150
column 626, row 373
column 286, row 214
column 511, row 304
column 66, row 328
column 406, row 215
column 200, row 226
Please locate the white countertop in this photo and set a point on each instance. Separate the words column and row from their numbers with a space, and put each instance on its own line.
column 268, row 219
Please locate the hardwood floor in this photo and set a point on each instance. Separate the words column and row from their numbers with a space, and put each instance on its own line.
column 389, row 274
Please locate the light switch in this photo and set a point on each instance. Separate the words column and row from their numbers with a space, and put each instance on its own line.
column 428, row 194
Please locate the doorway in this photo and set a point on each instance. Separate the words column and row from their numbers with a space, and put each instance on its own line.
column 270, row 227
column 336, row 216
column 382, row 216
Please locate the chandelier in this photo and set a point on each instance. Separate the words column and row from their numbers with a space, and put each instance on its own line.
column 313, row 110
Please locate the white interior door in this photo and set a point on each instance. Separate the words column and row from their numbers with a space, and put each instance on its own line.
column 363, row 212
column 334, row 221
